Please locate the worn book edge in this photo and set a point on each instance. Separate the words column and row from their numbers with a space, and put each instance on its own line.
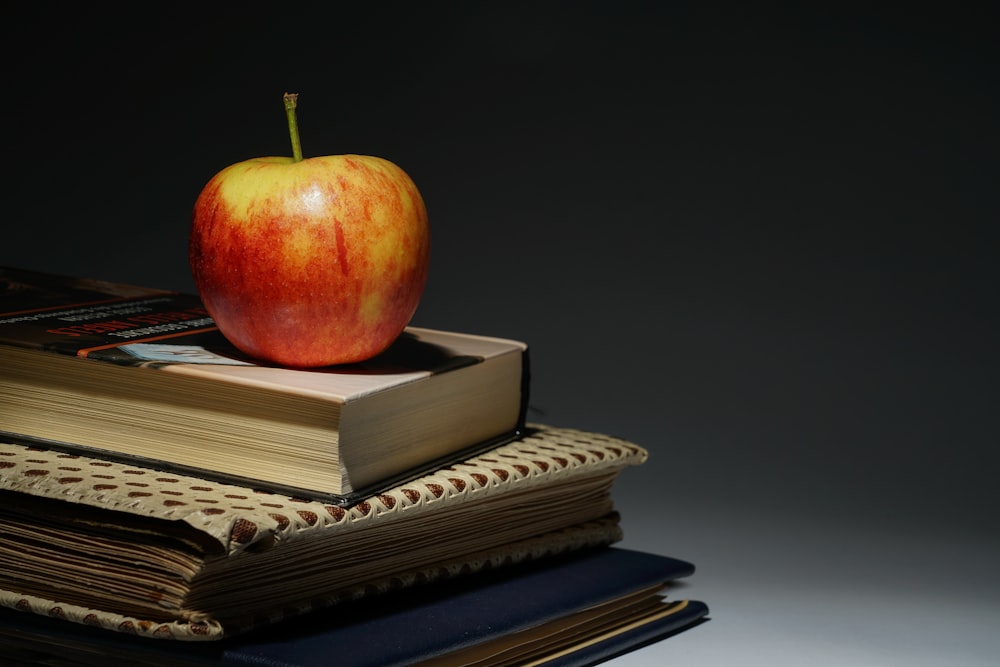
column 239, row 518
column 576, row 538
column 576, row 609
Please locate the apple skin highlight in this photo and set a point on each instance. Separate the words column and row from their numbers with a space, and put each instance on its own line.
column 310, row 263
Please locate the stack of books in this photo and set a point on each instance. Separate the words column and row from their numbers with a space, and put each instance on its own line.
column 165, row 500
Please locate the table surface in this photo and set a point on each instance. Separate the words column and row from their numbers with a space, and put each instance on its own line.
column 785, row 588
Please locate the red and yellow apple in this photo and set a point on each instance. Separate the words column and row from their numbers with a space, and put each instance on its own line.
column 310, row 262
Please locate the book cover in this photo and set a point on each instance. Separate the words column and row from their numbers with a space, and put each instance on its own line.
column 135, row 551
column 569, row 611
column 335, row 433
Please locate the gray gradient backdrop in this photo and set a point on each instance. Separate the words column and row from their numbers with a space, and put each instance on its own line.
column 760, row 243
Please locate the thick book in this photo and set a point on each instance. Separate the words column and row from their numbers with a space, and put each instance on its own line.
column 570, row 611
column 165, row 556
column 144, row 375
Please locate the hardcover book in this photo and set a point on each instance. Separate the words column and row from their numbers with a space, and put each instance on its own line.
column 167, row 556
column 144, row 376
column 565, row 611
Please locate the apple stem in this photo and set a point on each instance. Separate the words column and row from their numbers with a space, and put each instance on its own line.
column 291, row 100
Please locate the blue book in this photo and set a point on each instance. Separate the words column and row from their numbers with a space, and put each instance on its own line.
column 569, row 611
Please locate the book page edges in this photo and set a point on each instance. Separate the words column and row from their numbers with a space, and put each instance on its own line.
column 587, row 535
column 484, row 403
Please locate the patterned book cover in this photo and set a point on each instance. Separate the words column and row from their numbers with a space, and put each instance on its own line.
column 239, row 558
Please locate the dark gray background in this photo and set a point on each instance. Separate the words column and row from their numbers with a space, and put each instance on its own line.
column 761, row 243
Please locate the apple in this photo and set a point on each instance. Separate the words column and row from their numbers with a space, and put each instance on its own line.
column 310, row 262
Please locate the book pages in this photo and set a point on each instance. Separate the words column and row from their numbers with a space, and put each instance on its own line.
column 230, row 522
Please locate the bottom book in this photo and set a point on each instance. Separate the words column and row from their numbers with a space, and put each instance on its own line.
column 568, row 611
